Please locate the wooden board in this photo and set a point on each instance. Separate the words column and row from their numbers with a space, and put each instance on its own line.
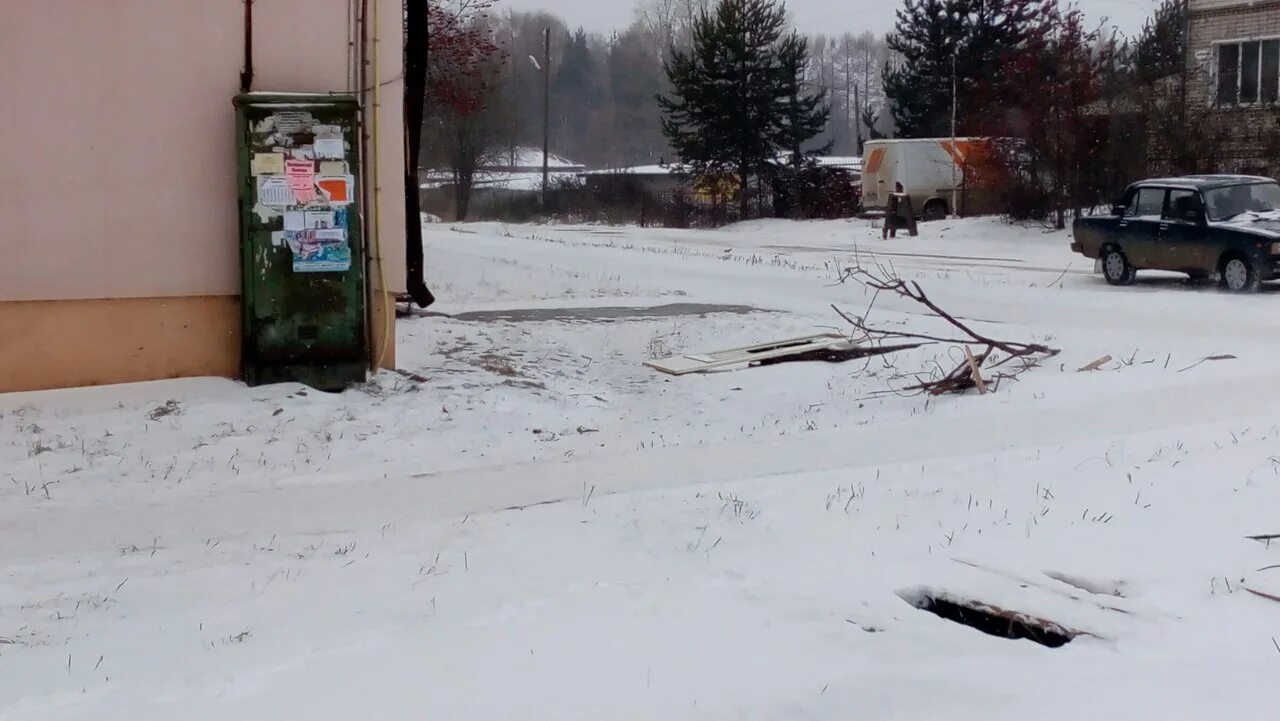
column 703, row 362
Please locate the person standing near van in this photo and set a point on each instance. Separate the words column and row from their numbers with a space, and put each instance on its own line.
column 898, row 214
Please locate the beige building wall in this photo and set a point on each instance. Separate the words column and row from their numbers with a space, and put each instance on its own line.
column 118, row 216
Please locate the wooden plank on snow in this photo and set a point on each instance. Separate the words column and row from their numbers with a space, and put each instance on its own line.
column 703, row 362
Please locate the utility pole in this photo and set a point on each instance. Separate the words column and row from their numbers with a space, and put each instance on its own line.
column 850, row 99
column 857, row 122
column 546, row 114
column 866, row 86
column 955, row 149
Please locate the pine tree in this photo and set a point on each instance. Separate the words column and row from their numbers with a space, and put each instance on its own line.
column 1054, row 77
column 576, row 93
column 926, row 36
column 1160, row 49
column 728, row 111
column 970, row 38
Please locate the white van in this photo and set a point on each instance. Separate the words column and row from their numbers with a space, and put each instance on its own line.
column 930, row 170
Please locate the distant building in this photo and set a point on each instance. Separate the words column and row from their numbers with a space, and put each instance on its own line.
column 851, row 163
column 1233, row 62
column 656, row 179
column 516, row 170
column 529, row 160
column 666, row 178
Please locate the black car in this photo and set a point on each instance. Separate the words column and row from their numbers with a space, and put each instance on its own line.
column 1207, row 226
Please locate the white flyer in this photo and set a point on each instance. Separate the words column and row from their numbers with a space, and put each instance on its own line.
column 274, row 191
column 330, row 149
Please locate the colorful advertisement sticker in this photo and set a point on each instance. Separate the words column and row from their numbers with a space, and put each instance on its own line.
column 337, row 190
column 320, row 251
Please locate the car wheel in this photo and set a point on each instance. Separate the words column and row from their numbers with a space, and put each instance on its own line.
column 935, row 210
column 1238, row 275
column 1116, row 268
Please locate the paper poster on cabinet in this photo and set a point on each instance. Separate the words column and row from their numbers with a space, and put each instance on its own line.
column 319, row 220
column 274, row 191
column 338, row 190
column 267, row 164
column 330, row 149
column 320, row 251
column 333, row 167
column 302, row 178
column 293, row 121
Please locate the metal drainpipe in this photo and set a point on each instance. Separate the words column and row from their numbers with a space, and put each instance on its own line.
column 388, row 306
column 364, row 175
column 246, row 74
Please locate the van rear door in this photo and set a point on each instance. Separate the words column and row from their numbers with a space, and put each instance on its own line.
column 875, row 177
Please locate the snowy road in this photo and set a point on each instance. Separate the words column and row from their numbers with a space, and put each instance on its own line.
column 549, row 530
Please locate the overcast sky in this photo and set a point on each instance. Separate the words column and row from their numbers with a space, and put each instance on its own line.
column 814, row 16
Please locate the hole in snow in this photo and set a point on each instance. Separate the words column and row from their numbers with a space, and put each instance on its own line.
column 991, row 620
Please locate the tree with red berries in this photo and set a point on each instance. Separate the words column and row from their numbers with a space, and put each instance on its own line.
column 466, row 115
column 1053, row 143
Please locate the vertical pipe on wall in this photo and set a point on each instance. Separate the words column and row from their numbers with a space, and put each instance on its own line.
column 415, row 96
column 246, row 73
column 546, row 114
column 352, row 54
column 362, row 83
column 375, row 167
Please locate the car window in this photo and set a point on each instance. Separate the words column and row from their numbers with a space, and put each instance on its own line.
column 1227, row 203
column 1146, row 203
column 1181, row 201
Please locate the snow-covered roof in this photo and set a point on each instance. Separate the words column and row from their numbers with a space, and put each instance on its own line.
column 525, row 157
column 852, row 163
column 908, row 141
column 523, row 160
column 639, row 170
column 836, row 161
column 500, row 181
column 826, row 161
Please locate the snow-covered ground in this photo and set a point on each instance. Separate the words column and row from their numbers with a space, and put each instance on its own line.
column 547, row 529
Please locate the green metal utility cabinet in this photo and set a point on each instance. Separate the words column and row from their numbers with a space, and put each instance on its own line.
column 302, row 254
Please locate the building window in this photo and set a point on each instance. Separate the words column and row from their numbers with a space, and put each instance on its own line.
column 1228, row 74
column 1270, row 70
column 1248, row 72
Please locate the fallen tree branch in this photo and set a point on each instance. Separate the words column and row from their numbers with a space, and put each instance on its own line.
column 1206, row 360
column 968, row 373
column 913, row 291
column 1260, row 594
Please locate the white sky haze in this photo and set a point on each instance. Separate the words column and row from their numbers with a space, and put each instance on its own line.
column 814, row 16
